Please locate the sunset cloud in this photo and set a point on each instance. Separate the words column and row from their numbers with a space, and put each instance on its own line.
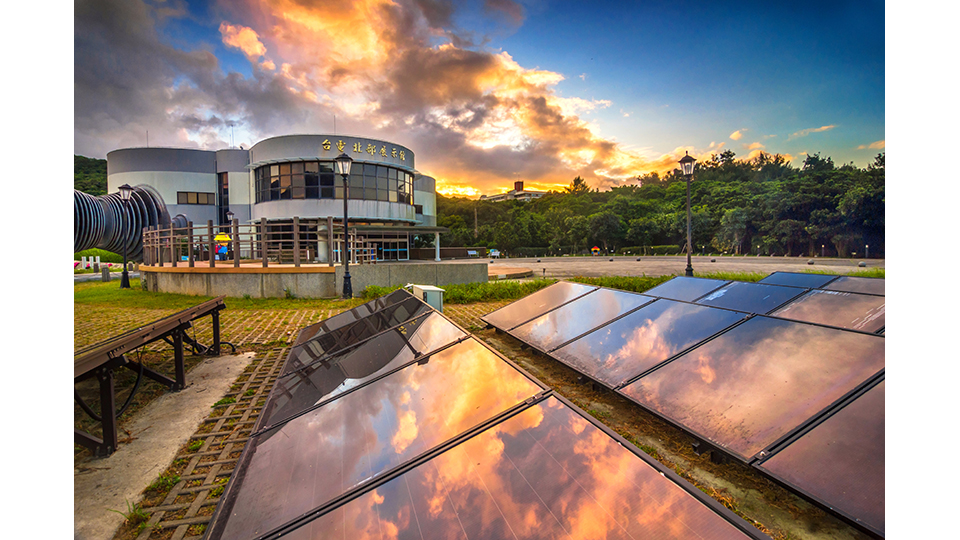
column 878, row 145
column 805, row 132
column 755, row 146
column 243, row 38
column 476, row 119
column 736, row 135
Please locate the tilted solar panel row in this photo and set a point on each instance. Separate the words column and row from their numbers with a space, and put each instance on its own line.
column 423, row 431
column 738, row 381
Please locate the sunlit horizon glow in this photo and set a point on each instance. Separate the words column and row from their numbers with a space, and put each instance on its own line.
column 485, row 95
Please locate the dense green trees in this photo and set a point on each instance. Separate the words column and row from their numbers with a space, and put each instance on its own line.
column 737, row 205
column 90, row 175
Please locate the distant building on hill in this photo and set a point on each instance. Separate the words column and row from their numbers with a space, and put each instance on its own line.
column 516, row 194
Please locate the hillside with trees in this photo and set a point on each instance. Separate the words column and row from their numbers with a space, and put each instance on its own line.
column 762, row 205
column 90, row 175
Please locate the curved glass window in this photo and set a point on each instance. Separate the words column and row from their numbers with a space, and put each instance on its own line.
column 317, row 180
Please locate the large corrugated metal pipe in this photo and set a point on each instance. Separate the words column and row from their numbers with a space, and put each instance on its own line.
column 104, row 223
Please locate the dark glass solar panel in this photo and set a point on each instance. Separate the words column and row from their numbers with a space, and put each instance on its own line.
column 841, row 461
column 536, row 304
column 582, row 315
column 756, row 382
column 629, row 346
column 300, row 390
column 319, row 455
column 796, row 279
column 544, row 473
column 750, row 297
column 350, row 316
column 857, row 285
column 328, row 343
column 863, row 312
column 685, row 288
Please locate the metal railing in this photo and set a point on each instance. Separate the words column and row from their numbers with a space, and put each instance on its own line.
column 260, row 243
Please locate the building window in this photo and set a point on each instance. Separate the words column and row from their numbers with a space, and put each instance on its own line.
column 224, row 196
column 193, row 197
column 316, row 180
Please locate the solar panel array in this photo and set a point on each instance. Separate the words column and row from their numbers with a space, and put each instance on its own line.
column 764, row 372
column 385, row 426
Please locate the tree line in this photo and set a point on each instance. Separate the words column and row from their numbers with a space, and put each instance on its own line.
column 739, row 206
column 90, row 175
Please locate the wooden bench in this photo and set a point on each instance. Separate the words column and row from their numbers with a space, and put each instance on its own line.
column 99, row 360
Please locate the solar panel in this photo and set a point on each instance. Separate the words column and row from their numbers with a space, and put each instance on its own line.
column 317, row 456
column 639, row 341
column 750, row 297
column 840, row 462
column 556, row 327
column 351, row 316
column 546, row 472
column 864, row 312
column 857, row 284
column 536, row 304
column 753, row 384
column 327, row 343
column 685, row 288
column 797, row 279
column 299, row 390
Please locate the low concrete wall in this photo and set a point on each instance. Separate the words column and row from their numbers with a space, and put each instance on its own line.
column 305, row 285
column 216, row 282
column 391, row 275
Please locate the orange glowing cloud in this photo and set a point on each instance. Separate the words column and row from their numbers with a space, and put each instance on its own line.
column 243, row 38
column 402, row 71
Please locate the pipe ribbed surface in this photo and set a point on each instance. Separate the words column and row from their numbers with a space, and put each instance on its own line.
column 104, row 223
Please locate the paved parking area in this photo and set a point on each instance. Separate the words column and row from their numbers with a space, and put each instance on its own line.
column 568, row 267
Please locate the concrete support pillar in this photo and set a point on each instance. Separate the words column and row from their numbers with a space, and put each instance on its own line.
column 436, row 246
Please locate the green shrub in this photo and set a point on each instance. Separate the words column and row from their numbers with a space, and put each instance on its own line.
column 105, row 256
column 624, row 283
column 468, row 293
column 374, row 291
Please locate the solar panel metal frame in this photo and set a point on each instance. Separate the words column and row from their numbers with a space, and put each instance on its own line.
column 229, row 493
column 879, row 331
column 491, row 325
column 618, row 317
column 802, row 291
column 829, row 281
column 300, row 341
column 418, row 360
column 724, row 284
column 853, row 277
column 633, row 378
column 758, row 464
column 669, row 474
column 703, row 442
column 335, row 352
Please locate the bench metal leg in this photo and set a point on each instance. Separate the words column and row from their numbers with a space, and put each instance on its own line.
column 178, row 361
column 107, row 418
column 215, row 320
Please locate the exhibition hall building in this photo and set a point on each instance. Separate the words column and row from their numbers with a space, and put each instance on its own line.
column 289, row 176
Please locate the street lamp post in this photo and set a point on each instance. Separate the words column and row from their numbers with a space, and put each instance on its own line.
column 230, row 215
column 687, row 165
column 125, row 192
column 343, row 162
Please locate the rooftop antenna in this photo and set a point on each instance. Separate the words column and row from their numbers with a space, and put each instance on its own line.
column 334, row 124
column 148, row 138
column 231, row 135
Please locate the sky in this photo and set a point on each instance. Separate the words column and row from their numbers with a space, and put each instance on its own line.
column 489, row 92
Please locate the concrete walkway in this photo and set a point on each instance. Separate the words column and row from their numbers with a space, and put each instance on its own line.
column 159, row 430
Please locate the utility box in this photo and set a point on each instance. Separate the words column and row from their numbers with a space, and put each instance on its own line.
column 429, row 294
